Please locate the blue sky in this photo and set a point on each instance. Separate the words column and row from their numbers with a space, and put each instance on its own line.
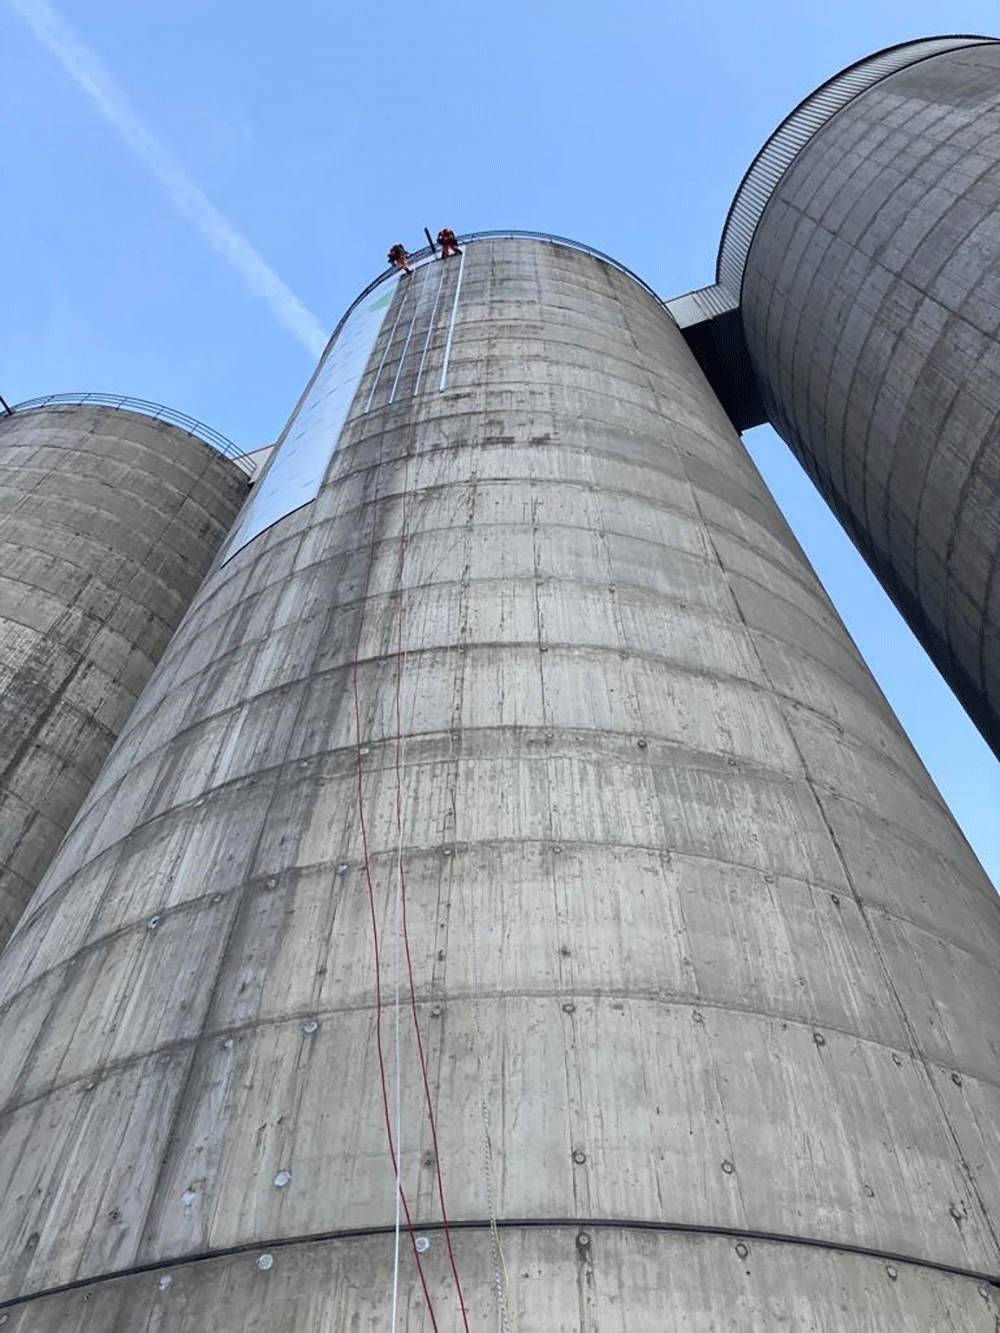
column 322, row 131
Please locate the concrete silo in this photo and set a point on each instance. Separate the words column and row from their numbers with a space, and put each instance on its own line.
column 109, row 522
column 864, row 246
column 512, row 668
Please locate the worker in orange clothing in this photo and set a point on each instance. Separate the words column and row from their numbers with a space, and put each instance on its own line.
column 447, row 242
column 399, row 258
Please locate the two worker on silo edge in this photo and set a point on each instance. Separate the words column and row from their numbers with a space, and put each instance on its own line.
column 399, row 256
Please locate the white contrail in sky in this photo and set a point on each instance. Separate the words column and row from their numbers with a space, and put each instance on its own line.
column 89, row 73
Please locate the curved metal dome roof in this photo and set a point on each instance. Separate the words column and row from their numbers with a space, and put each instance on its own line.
column 797, row 129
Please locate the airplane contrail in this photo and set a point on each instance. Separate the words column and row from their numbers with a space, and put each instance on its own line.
column 90, row 74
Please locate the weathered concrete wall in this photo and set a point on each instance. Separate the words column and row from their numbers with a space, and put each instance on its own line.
column 108, row 523
column 690, row 927
column 561, row 1280
column 872, row 306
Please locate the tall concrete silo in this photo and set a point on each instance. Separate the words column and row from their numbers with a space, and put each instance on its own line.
column 110, row 519
column 513, row 669
column 865, row 246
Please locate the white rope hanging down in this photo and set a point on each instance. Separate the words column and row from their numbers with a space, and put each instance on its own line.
column 399, row 1080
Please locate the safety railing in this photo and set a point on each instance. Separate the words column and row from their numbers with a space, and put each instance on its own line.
column 560, row 240
column 426, row 251
column 156, row 411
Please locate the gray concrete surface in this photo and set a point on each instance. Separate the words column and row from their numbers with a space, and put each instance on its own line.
column 561, row 1280
column 108, row 523
column 697, row 949
column 871, row 306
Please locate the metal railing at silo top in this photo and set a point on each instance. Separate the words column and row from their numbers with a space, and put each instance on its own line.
column 147, row 409
column 426, row 251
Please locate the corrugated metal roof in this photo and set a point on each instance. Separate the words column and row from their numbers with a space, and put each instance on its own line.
column 794, row 133
column 697, row 306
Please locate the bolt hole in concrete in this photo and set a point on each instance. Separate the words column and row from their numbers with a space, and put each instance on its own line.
column 819, row 1039
column 742, row 1250
column 569, row 1008
column 891, row 1272
column 152, row 923
column 579, row 1156
column 164, row 1281
column 642, row 743
column 282, row 1179
column 728, row 1167
column 582, row 1240
column 957, row 1080
column 422, row 1244
column 265, row 1262
column 310, row 1027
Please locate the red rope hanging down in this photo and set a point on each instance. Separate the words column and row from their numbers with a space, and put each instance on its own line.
column 402, row 877
column 371, row 902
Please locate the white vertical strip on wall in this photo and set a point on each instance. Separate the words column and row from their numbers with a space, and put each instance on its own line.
column 430, row 334
column 451, row 324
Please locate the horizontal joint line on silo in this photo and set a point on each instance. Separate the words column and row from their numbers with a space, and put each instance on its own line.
column 416, row 533
column 539, row 843
column 460, row 448
column 513, row 1224
column 653, row 997
column 671, row 748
